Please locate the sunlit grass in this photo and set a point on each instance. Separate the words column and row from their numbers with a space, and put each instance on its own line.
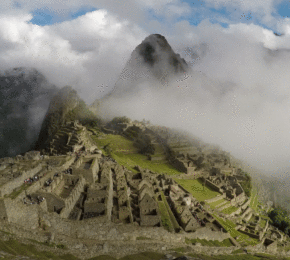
column 125, row 153
column 197, row 189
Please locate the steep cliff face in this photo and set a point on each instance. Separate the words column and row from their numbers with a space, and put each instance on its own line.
column 24, row 98
column 65, row 106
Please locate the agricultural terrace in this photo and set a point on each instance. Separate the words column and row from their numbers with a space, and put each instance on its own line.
column 254, row 200
column 225, row 243
column 198, row 190
column 229, row 226
column 229, row 210
column 125, row 153
column 218, row 203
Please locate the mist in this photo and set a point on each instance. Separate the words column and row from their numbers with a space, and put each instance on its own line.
column 235, row 93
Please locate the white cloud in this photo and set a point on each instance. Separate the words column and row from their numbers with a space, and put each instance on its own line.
column 237, row 95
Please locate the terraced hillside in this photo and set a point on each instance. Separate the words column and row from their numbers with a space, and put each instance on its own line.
column 125, row 153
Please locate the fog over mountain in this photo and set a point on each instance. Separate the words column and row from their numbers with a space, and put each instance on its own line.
column 24, row 98
column 235, row 92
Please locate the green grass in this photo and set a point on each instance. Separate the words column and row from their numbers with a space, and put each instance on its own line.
column 102, row 257
column 196, row 188
column 215, row 243
column 254, row 200
column 165, row 218
column 144, row 256
column 18, row 190
column 15, row 248
column 172, row 218
column 143, row 238
column 125, row 153
column 229, row 210
column 238, row 251
column 229, row 226
column 214, row 204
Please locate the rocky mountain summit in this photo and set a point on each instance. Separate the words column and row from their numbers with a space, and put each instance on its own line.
column 24, row 98
column 153, row 63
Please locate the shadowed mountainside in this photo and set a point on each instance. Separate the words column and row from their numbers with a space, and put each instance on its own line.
column 24, row 98
column 64, row 107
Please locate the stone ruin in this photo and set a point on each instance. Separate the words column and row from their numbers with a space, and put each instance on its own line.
column 91, row 188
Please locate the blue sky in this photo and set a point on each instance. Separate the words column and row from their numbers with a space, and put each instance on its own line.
column 202, row 10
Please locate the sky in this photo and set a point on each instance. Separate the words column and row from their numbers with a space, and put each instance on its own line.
column 236, row 95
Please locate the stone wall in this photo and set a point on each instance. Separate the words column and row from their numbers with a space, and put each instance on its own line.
column 3, row 214
column 7, row 188
column 71, row 200
column 216, row 198
column 213, row 186
column 109, row 202
column 247, row 211
column 250, row 234
column 22, row 214
column 246, row 204
column 100, row 229
column 68, row 163
column 237, row 212
column 95, row 168
column 178, row 164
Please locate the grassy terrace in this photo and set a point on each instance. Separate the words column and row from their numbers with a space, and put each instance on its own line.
column 165, row 218
column 225, row 243
column 229, row 210
column 17, row 191
column 254, row 200
column 214, row 204
column 196, row 188
column 124, row 152
column 229, row 226
column 15, row 248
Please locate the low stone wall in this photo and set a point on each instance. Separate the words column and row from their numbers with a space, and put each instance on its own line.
column 250, row 234
column 248, row 217
column 216, row 198
column 3, row 214
column 246, row 204
column 179, row 165
column 213, row 186
column 95, row 168
column 247, row 211
column 17, row 182
column 22, row 214
column 71, row 200
column 224, row 207
column 208, row 234
column 237, row 212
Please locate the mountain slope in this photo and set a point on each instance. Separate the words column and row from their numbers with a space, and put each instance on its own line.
column 64, row 107
column 24, row 97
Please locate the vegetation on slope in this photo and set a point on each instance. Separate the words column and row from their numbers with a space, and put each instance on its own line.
column 198, row 190
column 280, row 219
column 247, row 184
column 125, row 153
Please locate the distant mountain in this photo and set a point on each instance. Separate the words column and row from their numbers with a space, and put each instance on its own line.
column 152, row 61
column 24, row 98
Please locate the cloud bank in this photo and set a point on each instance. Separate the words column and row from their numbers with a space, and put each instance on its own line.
column 236, row 95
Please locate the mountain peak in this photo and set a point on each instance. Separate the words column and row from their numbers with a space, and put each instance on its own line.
column 155, row 50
